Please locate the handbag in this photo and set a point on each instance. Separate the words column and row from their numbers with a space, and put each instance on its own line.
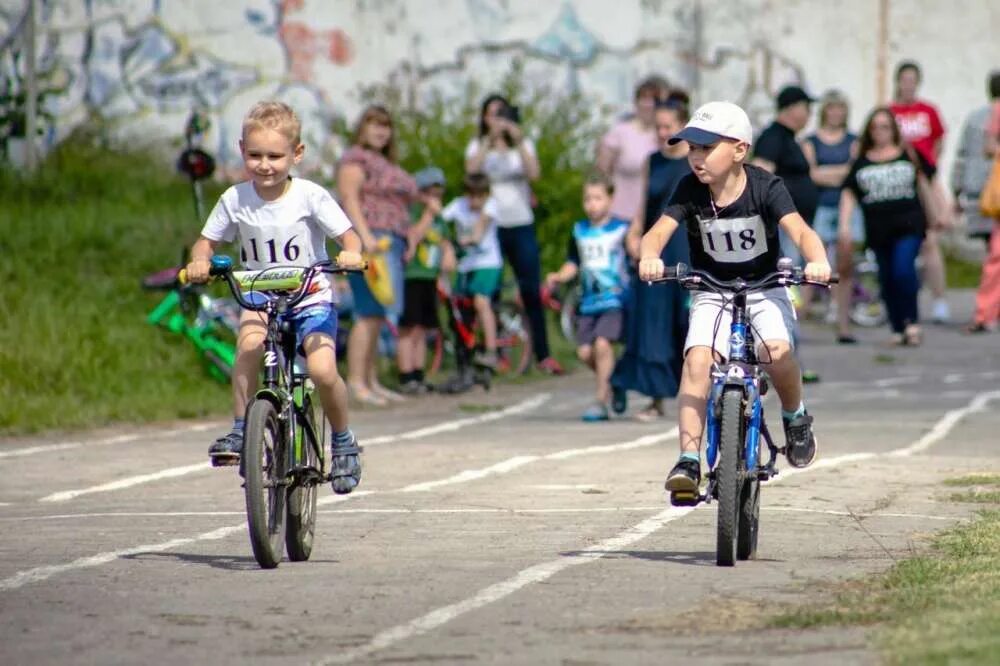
column 989, row 198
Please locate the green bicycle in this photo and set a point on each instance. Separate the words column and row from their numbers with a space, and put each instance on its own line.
column 283, row 460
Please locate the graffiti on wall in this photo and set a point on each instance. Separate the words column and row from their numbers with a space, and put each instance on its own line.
column 143, row 65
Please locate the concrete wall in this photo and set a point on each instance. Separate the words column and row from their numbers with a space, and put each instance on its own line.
column 143, row 64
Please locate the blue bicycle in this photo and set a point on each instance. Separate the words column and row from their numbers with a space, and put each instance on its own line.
column 735, row 416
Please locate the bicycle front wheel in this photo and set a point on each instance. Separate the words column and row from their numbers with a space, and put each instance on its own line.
column 264, row 475
column 728, row 478
column 302, row 496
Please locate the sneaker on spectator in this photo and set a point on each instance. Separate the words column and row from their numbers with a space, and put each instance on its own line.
column 550, row 366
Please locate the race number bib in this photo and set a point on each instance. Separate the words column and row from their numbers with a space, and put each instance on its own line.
column 595, row 253
column 733, row 240
column 262, row 246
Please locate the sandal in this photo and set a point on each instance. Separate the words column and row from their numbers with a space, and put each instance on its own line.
column 913, row 336
column 652, row 413
column 365, row 396
column 387, row 394
column 345, row 467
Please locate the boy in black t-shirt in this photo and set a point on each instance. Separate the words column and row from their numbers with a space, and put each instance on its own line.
column 731, row 213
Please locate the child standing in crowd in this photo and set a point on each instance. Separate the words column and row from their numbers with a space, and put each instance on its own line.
column 480, row 264
column 726, row 198
column 273, row 210
column 597, row 254
column 429, row 254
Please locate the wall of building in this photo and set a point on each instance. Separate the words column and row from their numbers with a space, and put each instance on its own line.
column 144, row 64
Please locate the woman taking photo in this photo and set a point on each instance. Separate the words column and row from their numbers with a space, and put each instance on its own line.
column 890, row 182
column 375, row 193
column 508, row 158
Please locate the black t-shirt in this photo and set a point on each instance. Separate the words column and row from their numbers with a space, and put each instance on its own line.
column 888, row 195
column 777, row 144
column 743, row 240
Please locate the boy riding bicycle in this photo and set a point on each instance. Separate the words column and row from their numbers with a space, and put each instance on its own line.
column 281, row 221
column 731, row 212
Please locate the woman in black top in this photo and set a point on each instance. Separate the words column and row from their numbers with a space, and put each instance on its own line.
column 890, row 182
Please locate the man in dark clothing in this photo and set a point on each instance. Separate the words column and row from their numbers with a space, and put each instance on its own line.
column 777, row 151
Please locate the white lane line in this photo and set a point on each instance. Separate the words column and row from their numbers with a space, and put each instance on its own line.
column 497, row 591
column 831, row 512
column 953, row 378
column 545, row 570
column 117, row 439
column 450, row 426
column 896, row 381
column 42, row 573
column 946, row 423
column 173, row 472
column 127, row 482
column 534, row 574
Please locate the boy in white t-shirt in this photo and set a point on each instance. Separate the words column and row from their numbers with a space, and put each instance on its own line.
column 480, row 264
column 280, row 221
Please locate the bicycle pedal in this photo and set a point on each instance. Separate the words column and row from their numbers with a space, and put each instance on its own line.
column 225, row 460
column 684, row 499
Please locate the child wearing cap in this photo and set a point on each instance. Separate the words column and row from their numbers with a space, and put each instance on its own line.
column 731, row 212
column 429, row 253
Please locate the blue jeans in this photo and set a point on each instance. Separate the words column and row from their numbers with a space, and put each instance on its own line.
column 519, row 246
column 897, row 275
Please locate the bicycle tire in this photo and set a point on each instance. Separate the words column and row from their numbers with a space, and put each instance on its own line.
column 513, row 337
column 727, row 475
column 264, row 475
column 749, row 527
column 301, row 507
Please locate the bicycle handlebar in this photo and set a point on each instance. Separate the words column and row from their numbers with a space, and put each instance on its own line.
column 785, row 276
column 293, row 279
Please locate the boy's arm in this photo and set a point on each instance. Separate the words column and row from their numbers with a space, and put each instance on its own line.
column 651, row 246
column 809, row 244
column 201, row 257
column 566, row 272
column 634, row 235
column 350, row 252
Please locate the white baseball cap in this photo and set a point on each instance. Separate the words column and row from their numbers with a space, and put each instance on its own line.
column 715, row 121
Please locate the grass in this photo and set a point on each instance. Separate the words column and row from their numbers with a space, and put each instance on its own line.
column 75, row 350
column 938, row 608
column 961, row 274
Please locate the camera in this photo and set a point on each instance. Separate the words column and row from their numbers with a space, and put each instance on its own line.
column 511, row 113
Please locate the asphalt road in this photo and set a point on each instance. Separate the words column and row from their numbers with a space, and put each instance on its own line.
column 489, row 528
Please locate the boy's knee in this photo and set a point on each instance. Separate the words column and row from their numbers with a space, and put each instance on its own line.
column 585, row 353
column 698, row 362
column 777, row 351
column 602, row 345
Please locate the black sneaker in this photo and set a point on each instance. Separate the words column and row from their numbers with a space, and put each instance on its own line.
column 619, row 400
column 227, row 449
column 345, row 467
column 685, row 477
column 800, row 442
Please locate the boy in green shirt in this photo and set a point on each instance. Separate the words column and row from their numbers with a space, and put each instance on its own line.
column 429, row 254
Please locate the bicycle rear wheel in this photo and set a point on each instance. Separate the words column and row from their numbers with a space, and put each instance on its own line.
column 513, row 337
column 302, row 496
column 264, row 474
column 727, row 475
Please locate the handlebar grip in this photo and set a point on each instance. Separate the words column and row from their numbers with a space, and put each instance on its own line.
column 182, row 277
column 678, row 272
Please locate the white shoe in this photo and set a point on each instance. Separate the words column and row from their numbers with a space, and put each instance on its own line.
column 940, row 312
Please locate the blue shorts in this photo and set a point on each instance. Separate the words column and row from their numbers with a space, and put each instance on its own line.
column 365, row 304
column 320, row 318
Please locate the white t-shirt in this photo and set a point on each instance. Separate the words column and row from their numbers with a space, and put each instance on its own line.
column 508, row 183
column 486, row 254
column 289, row 231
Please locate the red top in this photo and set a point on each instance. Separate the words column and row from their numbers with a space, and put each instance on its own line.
column 921, row 126
column 387, row 192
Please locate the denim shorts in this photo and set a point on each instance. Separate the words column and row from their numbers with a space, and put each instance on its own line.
column 320, row 318
column 365, row 304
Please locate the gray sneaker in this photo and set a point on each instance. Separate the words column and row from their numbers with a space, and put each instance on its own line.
column 345, row 467
column 800, row 442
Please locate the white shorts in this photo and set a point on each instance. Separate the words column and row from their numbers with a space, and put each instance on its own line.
column 771, row 315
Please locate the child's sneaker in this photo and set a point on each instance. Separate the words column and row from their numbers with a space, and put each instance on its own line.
column 227, row 449
column 800, row 443
column 550, row 366
column 685, row 477
column 345, row 466
column 596, row 412
column 486, row 360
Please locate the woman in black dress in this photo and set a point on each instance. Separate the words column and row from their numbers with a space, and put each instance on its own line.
column 657, row 316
